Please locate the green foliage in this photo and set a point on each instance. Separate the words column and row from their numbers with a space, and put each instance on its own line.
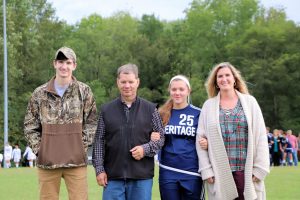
column 150, row 95
column 150, row 27
column 261, row 43
column 198, row 95
column 267, row 54
column 98, row 92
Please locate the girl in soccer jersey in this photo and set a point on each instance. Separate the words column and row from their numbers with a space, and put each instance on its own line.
column 178, row 164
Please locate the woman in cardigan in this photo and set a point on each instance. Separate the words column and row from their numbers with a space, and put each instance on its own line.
column 237, row 159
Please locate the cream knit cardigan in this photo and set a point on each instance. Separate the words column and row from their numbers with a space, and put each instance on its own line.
column 214, row 161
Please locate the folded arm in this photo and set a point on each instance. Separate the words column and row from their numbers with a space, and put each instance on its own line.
column 205, row 167
column 152, row 147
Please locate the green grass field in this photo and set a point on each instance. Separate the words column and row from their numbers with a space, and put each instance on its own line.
column 21, row 184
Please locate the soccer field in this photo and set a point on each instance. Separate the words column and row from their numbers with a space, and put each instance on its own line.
column 283, row 183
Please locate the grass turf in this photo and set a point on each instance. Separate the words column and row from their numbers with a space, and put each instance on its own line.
column 22, row 184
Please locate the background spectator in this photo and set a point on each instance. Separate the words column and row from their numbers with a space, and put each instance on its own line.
column 270, row 136
column 29, row 156
column 1, row 159
column 276, row 148
column 286, row 149
column 7, row 154
column 294, row 143
column 16, row 155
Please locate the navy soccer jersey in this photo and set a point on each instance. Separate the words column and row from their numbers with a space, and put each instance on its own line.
column 286, row 143
column 178, row 157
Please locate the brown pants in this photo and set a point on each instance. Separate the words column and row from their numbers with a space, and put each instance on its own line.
column 75, row 179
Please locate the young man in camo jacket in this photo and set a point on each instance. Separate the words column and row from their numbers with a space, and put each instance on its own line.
column 59, row 125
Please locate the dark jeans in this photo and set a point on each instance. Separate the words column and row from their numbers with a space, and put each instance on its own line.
column 239, row 179
column 181, row 189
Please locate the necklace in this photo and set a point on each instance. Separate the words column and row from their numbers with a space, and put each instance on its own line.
column 227, row 111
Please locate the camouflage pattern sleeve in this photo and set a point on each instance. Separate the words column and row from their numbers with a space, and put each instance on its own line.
column 89, row 118
column 32, row 125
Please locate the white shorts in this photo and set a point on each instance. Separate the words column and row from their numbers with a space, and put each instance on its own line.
column 7, row 157
column 17, row 160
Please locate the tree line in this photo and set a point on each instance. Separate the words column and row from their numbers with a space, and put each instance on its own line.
column 262, row 43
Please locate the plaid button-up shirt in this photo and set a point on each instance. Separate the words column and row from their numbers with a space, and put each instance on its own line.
column 234, row 129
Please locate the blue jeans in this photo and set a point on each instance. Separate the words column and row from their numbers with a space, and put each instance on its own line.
column 295, row 157
column 129, row 189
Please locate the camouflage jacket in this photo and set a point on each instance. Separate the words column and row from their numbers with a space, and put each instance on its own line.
column 71, row 120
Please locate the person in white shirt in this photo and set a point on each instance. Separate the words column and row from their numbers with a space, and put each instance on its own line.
column 16, row 155
column 29, row 156
column 7, row 154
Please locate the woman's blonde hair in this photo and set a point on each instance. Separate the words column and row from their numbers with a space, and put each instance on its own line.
column 165, row 110
column 211, row 83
